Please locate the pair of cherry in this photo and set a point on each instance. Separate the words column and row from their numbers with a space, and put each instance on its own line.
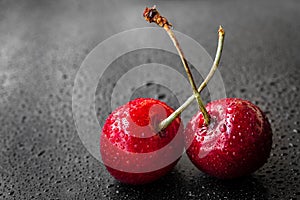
column 144, row 139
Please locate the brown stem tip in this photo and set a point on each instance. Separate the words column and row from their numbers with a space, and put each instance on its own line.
column 221, row 31
column 152, row 15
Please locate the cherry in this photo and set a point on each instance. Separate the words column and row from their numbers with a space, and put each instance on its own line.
column 133, row 148
column 135, row 135
column 236, row 142
column 142, row 140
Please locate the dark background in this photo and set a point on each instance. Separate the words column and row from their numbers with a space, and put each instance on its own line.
column 42, row 45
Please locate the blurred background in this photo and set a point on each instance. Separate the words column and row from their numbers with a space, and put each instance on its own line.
column 42, row 45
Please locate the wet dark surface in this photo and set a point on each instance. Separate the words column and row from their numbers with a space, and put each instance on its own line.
column 42, row 45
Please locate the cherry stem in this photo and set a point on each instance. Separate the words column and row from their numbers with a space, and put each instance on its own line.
column 152, row 15
column 189, row 74
column 166, row 122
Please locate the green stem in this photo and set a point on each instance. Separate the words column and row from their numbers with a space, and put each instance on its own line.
column 166, row 122
column 189, row 74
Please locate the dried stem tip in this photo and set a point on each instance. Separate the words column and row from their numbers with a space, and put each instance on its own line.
column 221, row 31
column 152, row 15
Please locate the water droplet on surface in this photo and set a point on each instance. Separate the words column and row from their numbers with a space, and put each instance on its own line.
column 202, row 131
column 229, row 110
column 161, row 96
column 223, row 128
column 295, row 130
column 109, row 186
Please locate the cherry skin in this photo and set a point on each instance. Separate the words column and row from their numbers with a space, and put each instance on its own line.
column 132, row 148
column 236, row 142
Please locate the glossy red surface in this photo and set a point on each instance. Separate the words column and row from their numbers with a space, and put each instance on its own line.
column 236, row 143
column 132, row 150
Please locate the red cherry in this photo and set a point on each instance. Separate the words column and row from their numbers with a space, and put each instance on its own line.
column 236, row 143
column 132, row 149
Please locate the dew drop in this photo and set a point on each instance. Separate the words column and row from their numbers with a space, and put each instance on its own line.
column 229, row 110
column 223, row 128
column 161, row 96
column 295, row 131
column 149, row 84
column 109, row 186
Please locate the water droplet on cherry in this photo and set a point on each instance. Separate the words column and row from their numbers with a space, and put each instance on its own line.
column 229, row 110
column 223, row 128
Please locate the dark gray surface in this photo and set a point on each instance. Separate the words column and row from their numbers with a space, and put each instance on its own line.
column 43, row 43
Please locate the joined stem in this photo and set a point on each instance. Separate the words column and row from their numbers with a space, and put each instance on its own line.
column 166, row 122
column 189, row 74
column 152, row 15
